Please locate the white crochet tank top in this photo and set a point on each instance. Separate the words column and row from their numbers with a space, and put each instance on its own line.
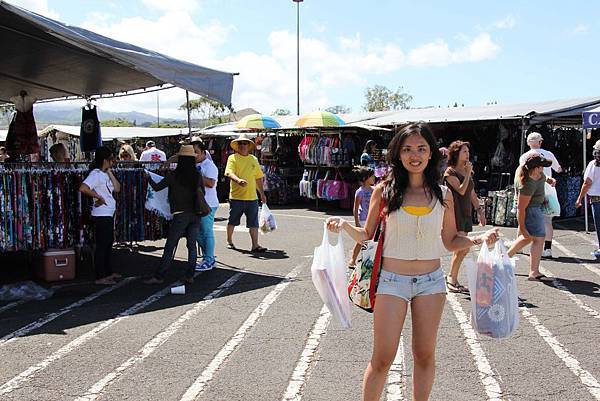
column 410, row 237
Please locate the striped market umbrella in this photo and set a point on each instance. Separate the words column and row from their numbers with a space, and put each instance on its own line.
column 319, row 119
column 257, row 121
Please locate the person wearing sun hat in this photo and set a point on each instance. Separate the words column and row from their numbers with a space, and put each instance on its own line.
column 534, row 140
column 185, row 188
column 529, row 182
column 246, row 178
column 591, row 188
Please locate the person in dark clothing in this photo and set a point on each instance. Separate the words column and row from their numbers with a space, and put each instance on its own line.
column 184, row 184
column 100, row 185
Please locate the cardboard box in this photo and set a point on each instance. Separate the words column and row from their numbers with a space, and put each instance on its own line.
column 57, row 265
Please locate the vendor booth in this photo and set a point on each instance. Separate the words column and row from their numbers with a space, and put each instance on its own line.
column 40, row 206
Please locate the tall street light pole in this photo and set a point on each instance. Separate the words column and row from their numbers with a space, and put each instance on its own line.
column 298, row 54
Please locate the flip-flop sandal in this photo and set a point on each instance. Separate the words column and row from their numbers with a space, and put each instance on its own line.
column 230, row 245
column 259, row 249
column 456, row 288
column 541, row 277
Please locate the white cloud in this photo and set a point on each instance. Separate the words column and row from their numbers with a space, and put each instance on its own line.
column 37, row 6
column 507, row 22
column 268, row 80
column 580, row 28
column 173, row 5
column 438, row 53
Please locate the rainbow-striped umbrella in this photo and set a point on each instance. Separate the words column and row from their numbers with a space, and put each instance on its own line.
column 319, row 119
column 257, row 121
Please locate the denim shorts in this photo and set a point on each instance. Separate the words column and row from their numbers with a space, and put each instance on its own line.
column 239, row 207
column 534, row 221
column 409, row 286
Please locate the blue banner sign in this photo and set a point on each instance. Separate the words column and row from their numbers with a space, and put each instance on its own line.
column 591, row 119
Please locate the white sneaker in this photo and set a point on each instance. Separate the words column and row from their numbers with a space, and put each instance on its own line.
column 547, row 253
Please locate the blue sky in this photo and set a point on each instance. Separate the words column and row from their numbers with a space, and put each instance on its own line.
column 441, row 52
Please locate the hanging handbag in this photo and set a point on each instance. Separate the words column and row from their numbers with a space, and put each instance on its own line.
column 365, row 276
column 201, row 207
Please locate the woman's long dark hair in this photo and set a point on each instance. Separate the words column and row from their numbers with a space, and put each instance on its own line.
column 101, row 154
column 369, row 146
column 397, row 179
column 186, row 173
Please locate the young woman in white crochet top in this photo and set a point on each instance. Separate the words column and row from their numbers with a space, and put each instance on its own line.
column 419, row 225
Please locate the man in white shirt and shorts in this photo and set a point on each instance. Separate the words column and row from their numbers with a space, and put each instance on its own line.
column 534, row 140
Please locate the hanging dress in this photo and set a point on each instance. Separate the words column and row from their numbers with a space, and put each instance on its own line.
column 22, row 138
column 90, row 138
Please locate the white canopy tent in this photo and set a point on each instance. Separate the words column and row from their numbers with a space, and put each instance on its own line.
column 50, row 59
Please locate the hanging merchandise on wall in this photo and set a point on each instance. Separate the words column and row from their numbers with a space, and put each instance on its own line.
column 327, row 150
column 90, row 136
column 22, row 139
column 42, row 208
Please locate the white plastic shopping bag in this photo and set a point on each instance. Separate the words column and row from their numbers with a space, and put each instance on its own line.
column 494, row 295
column 266, row 220
column 551, row 206
column 329, row 277
column 158, row 202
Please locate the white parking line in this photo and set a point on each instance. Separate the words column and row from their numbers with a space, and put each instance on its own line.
column 396, row 385
column 50, row 317
column 13, row 305
column 237, row 229
column 296, row 385
column 28, row 373
column 299, row 216
column 562, row 288
column 97, row 389
column 570, row 254
column 573, row 364
column 207, row 375
column 486, row 374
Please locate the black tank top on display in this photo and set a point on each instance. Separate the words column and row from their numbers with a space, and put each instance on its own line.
column 90, row 138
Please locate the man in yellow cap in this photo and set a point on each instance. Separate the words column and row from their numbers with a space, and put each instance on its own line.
column 246, row 177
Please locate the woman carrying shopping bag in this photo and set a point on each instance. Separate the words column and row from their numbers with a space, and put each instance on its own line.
column 529, row 182
column 186, row 198
column 419, row 224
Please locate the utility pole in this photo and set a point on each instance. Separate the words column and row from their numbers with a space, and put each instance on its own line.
column 298, row 55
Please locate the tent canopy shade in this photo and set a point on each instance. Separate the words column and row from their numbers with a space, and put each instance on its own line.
column 50, row 60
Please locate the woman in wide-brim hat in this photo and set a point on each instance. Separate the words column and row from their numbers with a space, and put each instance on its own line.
column 184, row 184
column 243, row 138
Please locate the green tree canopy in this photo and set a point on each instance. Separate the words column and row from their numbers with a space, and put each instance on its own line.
column 119, row 122
column 381, row 98
column 339, row 109
column 281, row 112
column 212, row 112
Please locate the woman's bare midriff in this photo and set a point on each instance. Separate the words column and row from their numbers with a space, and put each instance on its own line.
column 410, row 267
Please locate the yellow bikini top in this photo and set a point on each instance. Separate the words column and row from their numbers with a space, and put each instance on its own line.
column 417, row 210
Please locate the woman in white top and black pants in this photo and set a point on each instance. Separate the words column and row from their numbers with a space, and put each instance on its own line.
column 591, row 187
column 420, row 223
column 100, row 185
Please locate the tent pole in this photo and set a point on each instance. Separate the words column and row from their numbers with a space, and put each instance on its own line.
column 523, row 131
column 585, row 204
column 187, row 99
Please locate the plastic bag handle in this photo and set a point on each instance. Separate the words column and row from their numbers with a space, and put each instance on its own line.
column 326, row 237
column 500, row 247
